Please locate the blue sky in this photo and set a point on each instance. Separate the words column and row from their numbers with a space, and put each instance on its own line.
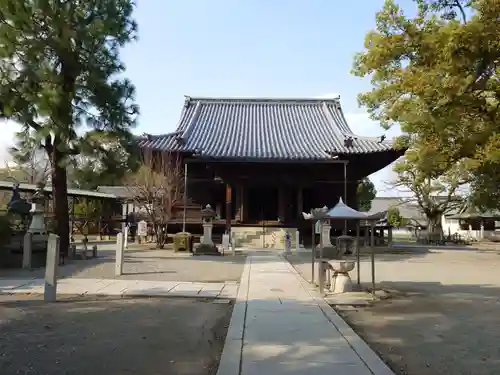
column 285, row 48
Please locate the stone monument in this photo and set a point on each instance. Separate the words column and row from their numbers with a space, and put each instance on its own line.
column 207, row 246
column 142, row 230
column 207, row 215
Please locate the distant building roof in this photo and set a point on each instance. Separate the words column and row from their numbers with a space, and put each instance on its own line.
column 117, row 191
column 407, row 210
column 7, row 185
column 264, row 129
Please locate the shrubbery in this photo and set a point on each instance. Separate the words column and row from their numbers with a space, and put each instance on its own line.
column 5, row 229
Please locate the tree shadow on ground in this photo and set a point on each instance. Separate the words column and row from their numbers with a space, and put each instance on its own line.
column 382, row 255
column 166, row 336
column 83, row 335
column 144, row 262
column 434, row 329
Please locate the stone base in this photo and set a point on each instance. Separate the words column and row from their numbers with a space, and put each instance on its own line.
column 204, row 249
column 326, row 270
column 341, row 283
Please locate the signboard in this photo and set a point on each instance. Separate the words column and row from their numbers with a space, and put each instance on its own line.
column 317, row 227
column 142, row 228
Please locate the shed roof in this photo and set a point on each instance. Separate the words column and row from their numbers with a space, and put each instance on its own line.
column 7, row 185
column 264, row 129
column 407, row 209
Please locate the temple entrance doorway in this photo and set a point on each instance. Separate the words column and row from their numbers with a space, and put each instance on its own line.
column 262, row 204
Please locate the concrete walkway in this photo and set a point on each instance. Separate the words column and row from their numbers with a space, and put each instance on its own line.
column 279, row 326
column 116, row 287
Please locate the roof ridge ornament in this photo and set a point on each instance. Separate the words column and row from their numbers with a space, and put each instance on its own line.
column 349, row 141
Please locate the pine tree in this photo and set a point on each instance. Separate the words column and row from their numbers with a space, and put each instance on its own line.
column 59, row 71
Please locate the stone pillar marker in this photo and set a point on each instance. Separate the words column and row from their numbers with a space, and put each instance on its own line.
column 27, row 250
column 120, row 249
column 85, row 248
column 226, row 243
column 233, row 243
column 125, row 236
column 325, row 234
column 297, row 241
column 50, row 288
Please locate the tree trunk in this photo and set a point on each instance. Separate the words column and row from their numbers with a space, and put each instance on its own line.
column 434, row 230
column 60, row 200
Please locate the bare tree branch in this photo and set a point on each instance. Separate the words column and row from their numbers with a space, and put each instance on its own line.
column 157, row 190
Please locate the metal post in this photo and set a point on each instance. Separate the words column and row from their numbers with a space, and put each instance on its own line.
column 313, row 251
column 321, row 271
column 228, row 209
column 357, row 252
column 345, row 194
column 373, row 256
column 185, row 197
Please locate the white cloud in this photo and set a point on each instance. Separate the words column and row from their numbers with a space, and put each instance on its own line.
column 7, row 130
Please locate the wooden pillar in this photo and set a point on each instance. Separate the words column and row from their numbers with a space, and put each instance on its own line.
column 242, row 202
column 300, row 203
column 228, row 209
column 282, row 203
column 237, row 203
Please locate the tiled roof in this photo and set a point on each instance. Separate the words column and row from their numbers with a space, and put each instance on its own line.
column 407, row 210
column 117, row 191
column 292, row 129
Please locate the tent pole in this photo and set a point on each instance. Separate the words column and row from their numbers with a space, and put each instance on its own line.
column 373, row 256
column 313, row 252
column 357, row 252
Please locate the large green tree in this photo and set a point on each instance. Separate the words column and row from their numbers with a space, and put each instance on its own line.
column 437, row 76
column 60, row 69
column 394, row 217
column 365, row 193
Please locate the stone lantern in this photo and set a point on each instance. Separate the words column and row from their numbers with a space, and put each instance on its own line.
column 37, row 225
column 207, row 216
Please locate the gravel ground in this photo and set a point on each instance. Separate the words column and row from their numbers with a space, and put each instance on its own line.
column 446, row 320
column 146, row 264
column 145, row 336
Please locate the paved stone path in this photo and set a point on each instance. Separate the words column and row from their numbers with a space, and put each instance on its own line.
column 114, row 287
column 280, row 326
